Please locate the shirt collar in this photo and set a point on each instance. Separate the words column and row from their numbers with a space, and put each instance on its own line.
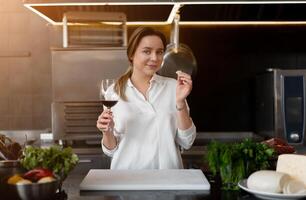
column 155, row 78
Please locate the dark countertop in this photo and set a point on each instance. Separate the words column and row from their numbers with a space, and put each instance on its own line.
column 71, row 187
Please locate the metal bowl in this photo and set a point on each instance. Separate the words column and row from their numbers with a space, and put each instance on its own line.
column 36, row 191
column 7, row 169
column 10, row 167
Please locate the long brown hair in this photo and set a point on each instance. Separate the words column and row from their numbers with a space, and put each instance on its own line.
column 134, row 41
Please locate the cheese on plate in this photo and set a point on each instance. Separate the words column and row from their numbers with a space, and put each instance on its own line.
column 267, row 181
column 294, row 165
column 294, row 187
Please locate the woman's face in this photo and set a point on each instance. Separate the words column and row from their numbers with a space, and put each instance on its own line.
column 148, row 56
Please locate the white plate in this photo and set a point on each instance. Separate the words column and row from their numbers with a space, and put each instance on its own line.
column 267, row 195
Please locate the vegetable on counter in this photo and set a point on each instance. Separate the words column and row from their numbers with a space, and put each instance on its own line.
column 15, row 179
column 36, row 174
column 280, row 146
column 57, row 159
column 237, row 161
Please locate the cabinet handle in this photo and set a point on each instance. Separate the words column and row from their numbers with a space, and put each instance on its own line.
column 85, row 161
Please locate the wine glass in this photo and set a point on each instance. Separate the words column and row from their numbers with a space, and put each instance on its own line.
column 108, row 97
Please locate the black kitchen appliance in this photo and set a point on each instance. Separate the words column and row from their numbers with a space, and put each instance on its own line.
column 280, row 104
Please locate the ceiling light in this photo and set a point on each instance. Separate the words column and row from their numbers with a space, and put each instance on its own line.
column 241, row 2
column 98, row 3
column 215, row 23
column 40, row 14
column 176, row 6
column 146, row 23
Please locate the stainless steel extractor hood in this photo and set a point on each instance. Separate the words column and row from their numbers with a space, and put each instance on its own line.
column 81, row 29
column 192, row 11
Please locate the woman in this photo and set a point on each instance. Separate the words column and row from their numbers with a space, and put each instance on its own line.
column 151, row 119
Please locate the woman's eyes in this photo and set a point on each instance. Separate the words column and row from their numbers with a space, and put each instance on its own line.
column 148, row 52
column 160, row 52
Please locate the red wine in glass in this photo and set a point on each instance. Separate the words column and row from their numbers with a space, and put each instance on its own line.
column 109, row 98
column 109, row 103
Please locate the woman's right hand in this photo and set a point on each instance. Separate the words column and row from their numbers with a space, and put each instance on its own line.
column 105, row 122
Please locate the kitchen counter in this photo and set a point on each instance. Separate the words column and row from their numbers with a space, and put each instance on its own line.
column 71, row 186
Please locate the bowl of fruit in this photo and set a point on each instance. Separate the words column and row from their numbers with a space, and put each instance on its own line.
column 46, row 169
column 38, row 183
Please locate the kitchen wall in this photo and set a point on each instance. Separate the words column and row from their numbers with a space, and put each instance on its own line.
column 25, row 72
column 229, row 57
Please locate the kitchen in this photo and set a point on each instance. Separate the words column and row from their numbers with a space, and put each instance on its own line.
column 228, row 59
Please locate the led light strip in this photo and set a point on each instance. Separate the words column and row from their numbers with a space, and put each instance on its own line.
column 164, row 3
column 99, row 3
column 40, row 14
column 175, row 9
column 204, row 23
column 212, row 23
column 241, row 2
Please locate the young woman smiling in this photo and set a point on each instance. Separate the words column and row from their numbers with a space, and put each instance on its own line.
column 145, row 129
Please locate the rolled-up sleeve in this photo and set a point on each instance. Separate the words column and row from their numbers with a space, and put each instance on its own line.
column 110, row 152
column 185, row 138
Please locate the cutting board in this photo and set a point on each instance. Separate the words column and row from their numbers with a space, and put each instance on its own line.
column 168, row 179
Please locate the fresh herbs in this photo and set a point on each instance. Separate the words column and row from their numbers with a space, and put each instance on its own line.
column 60, row 161
column 237, row 161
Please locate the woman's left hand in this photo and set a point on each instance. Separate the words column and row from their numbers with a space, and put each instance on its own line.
column 183, row 86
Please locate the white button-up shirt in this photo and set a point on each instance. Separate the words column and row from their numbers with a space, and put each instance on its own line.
column 146, row 129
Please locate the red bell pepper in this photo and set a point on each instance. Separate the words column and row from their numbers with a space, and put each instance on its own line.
column 35, row 174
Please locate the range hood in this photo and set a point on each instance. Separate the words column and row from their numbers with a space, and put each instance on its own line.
column 162, row 11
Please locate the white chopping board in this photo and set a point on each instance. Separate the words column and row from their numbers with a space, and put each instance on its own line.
column 165, row 179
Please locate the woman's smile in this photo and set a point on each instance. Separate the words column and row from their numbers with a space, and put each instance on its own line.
column 152, row 66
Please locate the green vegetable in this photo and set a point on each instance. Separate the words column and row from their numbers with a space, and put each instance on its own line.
column 60, row 161
column 237, row 161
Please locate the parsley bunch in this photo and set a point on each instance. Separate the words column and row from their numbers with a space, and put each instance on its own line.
column 60, row 161
column 237, row 161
